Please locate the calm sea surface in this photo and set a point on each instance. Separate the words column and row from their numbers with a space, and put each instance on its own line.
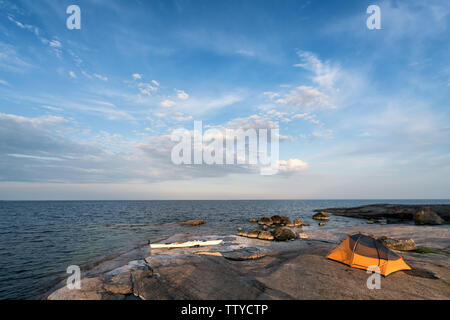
column 40, row 239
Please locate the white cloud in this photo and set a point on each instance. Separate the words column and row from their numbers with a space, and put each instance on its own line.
column 322, row 134
column 104, row 103
column 99, row 76
column 55, row 44
column 39, row 121
column 325, row 74
column 137, row 76
column 156, row 83
column 11, row 60
column 195, row 105
column 292, row 165
column 159, row 115
column 271, row 95
column 182, row 118
column 168, row 103
column 306, row 97
column 146, row 88
column 51, row 108
column 15, row 155
column 87, row 75
column 182, row 95
column 21, row 25
column 72, row 74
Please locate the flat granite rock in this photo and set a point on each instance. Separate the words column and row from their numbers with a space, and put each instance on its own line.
column 245, row 254
column 250, row 269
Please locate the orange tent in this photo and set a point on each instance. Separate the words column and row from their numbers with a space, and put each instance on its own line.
column 361, row 251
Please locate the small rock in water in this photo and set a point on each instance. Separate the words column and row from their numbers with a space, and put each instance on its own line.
column 265, row 221
column 280, row 220
column 302, row 236
column 321, row 224
column 193, row 223
column 321, row 216
column 284, row 233
column 253, row 220
column 253, row 234
column 265, row 235
column 242, row 234
column 239, row 229
column 298, row 222
column 369, row 222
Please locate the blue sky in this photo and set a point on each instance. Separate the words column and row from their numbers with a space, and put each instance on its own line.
column 87, row 114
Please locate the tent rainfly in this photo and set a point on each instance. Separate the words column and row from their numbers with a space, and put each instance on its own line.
column 361, row 251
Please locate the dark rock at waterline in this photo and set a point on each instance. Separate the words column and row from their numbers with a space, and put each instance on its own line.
column 242, row 234
column 298, row 222
column 192, row 223
column 265, row 221
column 253, row 234
column 284, row 234
column 428, row 217
column 392, row 212
column 321, row 216
column 265, row 235
column 280, row 220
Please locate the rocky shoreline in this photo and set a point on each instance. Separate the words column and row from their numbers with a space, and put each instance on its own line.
column 251, row 268
column 394, row 213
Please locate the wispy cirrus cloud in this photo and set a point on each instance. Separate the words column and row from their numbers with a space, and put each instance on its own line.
column 11, row 60
column 305, row 97
column 324, row 73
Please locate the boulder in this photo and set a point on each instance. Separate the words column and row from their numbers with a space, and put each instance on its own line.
column 265, row 221
column 321, row 216
column 242, row 234
column 192, row 223
column 398, row 244
column 298, row 222
column 280, row 220
column 253, row 234
column 265, row 235
column 284, row 233
column 427, row 216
